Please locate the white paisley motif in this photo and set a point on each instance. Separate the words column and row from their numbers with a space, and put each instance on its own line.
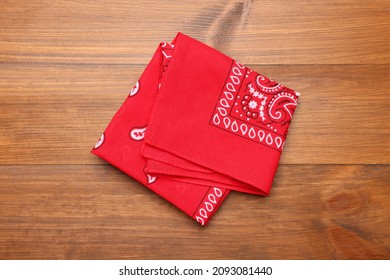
column 137, row 133
column 151, row 179
column 99, row 142
column 265, row 88
column 208, row 206
column 256, row 110
column 135, row 89
column 278, row 114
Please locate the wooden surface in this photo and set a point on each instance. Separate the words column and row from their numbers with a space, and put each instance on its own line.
column 66, row 66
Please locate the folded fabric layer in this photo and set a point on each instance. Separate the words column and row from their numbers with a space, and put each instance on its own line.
column 198, row 124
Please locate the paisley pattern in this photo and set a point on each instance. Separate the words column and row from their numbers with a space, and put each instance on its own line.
column 267, row 85
column 99, row 142
column 281, row 107
column 275, row 104
column 149, row 178
column 137, row 133
column 250, row 110
column 135, row 89
column 257, row 105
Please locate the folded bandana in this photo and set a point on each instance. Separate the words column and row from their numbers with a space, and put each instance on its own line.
column 197, row 125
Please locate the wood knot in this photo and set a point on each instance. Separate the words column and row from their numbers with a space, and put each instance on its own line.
column 346, row 202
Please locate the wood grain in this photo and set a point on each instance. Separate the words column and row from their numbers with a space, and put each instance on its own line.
column 55, row 114
column 256, row 32
column 97, row 212
column 66, row 66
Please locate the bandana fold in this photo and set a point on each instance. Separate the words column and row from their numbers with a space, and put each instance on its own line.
column 197, row 125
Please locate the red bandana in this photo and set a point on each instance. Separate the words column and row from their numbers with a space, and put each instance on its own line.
column 198, row 124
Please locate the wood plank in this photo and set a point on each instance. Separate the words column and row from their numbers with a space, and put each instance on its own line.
column 54, row 114
column 97, row 212
column 257, row 32
column 66, row 67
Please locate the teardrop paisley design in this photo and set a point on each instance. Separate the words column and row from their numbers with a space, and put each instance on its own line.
column 135, row 89
column 281, row 107
column 209, row 204
column 149, row 178
column 268, row 85
column 99, row 142
column 137, row 133
column 255, row 107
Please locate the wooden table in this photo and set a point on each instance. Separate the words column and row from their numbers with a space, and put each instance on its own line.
column 66, row 67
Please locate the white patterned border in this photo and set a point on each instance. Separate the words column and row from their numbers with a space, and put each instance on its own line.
column 223, row 120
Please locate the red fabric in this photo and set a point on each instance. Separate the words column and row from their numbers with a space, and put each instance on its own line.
column 198, row 124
